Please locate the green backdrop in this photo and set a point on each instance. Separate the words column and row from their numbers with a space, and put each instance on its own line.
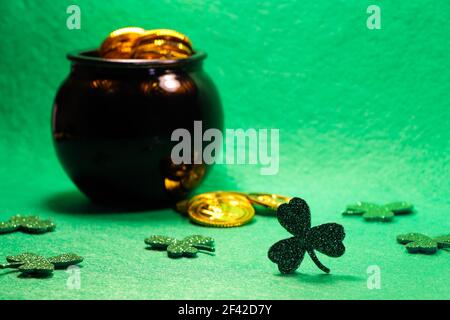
column 363, row 115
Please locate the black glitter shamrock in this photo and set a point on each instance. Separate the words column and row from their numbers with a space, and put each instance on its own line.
column 29, row 224
column 188, row 247
column 31, row 264
column 375, row 212
column 420, row 243
column 295, row 217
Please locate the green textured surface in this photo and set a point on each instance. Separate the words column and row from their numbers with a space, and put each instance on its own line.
column 364, row 115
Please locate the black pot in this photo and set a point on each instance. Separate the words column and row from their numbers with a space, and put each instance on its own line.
column 113, row 120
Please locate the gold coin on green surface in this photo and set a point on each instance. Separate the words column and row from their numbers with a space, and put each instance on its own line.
column 220, row 209
column 271, row 201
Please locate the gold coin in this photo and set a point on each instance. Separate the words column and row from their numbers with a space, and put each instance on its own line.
column 165, row 34
column 271, row 201
column 121, row 52
column 137, row 43
column 157, row 54
column 126, row 31
column 159, row 44
column 167, row 50
column 220, row 209
column 119, row 43
column 162, row 44
column 148, row 56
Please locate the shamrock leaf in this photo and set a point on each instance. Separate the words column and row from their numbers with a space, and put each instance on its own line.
column 375, row 212
column 295, row 217
column 64, row 260
column 8, row 227
column 188, row 247
column 29, row 224
column 159, row 242
column 31, row 264
column 34, row 265
column 420, row 243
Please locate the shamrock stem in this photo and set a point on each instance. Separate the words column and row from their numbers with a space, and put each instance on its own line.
column 207, row 248
column 319, row 264
column 11, row 265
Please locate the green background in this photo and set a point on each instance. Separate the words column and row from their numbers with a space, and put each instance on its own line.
column 363, row 115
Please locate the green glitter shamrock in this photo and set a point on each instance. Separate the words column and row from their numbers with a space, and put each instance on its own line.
column 420, row 243
column 188, row 247
column 31, row 264
column 375, row 212
column 29, row 224
column 295, row 217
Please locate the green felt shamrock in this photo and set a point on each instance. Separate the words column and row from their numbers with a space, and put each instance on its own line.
column 327, row 238
column 420, row 243
column 375, row 212
column 31, row 264
column 188, row 247
column 29, row 224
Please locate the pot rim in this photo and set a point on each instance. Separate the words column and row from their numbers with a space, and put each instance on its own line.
column 90, row 57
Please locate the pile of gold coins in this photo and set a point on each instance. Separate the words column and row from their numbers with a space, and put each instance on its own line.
column 225, row 209
column 138, row 43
